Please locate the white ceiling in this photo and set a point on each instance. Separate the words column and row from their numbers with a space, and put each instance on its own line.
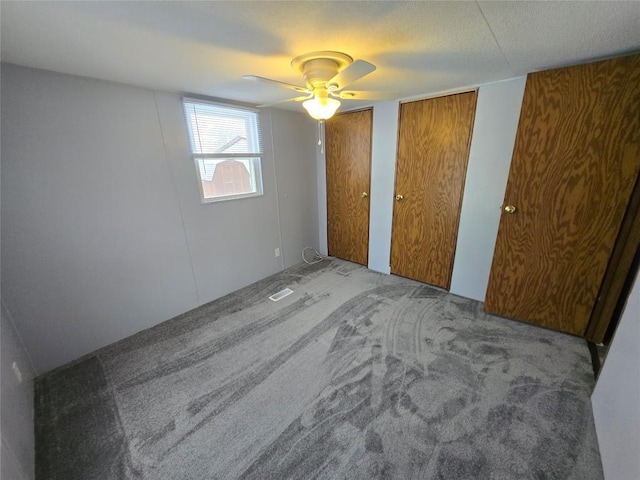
column 206, row 47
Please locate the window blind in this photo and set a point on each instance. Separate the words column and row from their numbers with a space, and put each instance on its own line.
column 218, row 131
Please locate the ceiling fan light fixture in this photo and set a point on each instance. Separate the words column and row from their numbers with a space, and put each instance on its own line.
column 326, row 74
column 321, row 108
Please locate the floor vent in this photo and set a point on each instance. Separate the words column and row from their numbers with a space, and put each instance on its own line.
column 280, row 295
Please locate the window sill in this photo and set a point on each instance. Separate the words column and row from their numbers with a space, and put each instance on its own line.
column 224, row 198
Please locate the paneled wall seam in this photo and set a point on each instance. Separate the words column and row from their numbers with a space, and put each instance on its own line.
column 495, row 39
column 275, row 175
column 179, row 203
column 9, row 317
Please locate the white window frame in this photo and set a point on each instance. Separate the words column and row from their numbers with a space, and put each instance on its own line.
column 254, row 157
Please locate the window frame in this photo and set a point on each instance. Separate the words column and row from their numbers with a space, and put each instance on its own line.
column 254, row 158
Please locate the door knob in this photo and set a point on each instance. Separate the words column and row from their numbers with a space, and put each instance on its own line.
column 399, row 197
column 510, row 209
column 364, row 194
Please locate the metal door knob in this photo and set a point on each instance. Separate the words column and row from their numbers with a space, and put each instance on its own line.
column 399, row 197
column 364, row 194
column 510, row 209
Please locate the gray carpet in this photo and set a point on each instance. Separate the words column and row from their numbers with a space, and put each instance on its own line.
column 356, row 375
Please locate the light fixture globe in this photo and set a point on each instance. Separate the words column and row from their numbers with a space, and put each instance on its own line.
column 321, row 108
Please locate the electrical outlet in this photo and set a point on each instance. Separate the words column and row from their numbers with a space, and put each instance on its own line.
column 277, row 252
column 16, row 371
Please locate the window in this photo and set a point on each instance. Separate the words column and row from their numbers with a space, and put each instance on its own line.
column 227, row 149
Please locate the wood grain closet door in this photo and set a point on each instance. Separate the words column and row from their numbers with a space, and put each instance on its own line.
column 348, row 157
column 575, row 162
column 433, row 151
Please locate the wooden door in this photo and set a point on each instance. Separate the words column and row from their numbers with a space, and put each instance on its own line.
column 348, row 156
column 575, row 162
column 433, row 152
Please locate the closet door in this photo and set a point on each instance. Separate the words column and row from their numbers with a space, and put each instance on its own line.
column 433, row 152
column 575, row 162
column 348, row 157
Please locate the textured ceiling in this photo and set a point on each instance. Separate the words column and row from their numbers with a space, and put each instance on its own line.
column 206, row 47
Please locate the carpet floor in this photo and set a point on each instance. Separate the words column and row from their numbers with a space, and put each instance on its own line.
column 356, row 375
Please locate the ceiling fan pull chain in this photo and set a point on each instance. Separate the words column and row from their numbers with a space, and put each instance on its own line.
column 320, row 134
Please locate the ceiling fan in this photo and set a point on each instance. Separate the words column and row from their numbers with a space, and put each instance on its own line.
column 326, row 75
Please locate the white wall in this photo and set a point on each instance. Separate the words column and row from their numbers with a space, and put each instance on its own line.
column 322, row 196
column 494, row 133
column 16, row 425
column 383, row 172
column 296, row 183
column 103, row 233
column 234, row 238
column 616, row 398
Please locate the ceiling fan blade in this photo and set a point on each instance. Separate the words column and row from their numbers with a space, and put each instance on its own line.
column 296, row 99
column 290, row 86
column 350, row 74
column 358, row 95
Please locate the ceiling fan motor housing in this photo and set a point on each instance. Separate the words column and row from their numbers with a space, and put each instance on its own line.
column 318, row 68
